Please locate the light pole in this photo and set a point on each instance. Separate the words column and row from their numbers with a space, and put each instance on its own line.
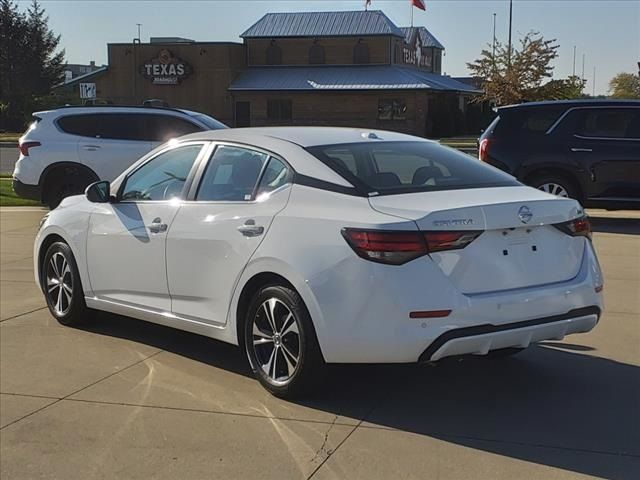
column 510, row 24
column 493, row 48
column 574, row 60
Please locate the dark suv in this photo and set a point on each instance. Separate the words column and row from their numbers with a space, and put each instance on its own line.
column 585, row 149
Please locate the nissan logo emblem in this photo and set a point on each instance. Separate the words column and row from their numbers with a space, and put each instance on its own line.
column 524, row 214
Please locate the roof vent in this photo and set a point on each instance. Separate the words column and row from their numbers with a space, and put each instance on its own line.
column 371, row 136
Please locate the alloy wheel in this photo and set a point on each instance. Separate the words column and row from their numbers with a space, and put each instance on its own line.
column 554, row 189
column 276, row 341
column 59, row 283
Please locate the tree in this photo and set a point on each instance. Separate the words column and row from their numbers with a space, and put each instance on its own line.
column 30, row 64
column 521, row 78
column 625, row 85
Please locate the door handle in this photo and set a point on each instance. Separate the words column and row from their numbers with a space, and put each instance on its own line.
column 250, row 229
column 157, row 226
column 575, row 149
column 91, row 148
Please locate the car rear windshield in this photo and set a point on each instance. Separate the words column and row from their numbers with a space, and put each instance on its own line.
column 405, row 167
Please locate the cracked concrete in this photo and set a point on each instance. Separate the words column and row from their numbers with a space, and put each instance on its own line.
column 126, row 399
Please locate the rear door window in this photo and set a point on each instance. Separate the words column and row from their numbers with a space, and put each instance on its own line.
column 231, row 175
column 609, row 123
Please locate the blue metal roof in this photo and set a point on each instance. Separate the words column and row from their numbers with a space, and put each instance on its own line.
column 323, row 24
column 426, row 37
column 358, row 77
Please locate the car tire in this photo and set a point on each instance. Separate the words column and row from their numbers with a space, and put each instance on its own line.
column 59, row 186
column 61, row 285
column 281, row 344
column 555, row 185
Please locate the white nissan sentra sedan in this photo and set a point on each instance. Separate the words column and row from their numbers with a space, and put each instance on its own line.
column 307, row 246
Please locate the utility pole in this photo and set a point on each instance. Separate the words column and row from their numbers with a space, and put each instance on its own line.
column 582, row 77
column 574, row 60
column 510, row 24
column 593, row 87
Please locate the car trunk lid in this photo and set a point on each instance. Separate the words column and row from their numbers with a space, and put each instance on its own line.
column 519, row 246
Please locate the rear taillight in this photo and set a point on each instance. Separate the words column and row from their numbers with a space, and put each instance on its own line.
column 25, row 146
column 483, row 149
column 578, row 227
column 399, row 247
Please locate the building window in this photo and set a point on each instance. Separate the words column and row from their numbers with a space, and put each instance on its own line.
column 316, row 55
column 279, row 110
column 361, row 52
column 274, row 54
column 392, row 109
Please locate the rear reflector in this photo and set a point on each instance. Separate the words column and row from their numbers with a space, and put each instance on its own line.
column 430, row 314
column 24, row 147
column 399, row 247
column 578, row 227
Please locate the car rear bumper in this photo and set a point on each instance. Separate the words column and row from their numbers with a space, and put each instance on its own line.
column 481, row 339
column 367, row 327
column 24, row 190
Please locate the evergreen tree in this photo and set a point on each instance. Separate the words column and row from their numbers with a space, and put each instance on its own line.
column 29, row 63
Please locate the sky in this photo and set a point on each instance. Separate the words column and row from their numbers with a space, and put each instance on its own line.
column 607, row 32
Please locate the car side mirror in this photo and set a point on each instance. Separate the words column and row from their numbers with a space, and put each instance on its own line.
column 99, row 192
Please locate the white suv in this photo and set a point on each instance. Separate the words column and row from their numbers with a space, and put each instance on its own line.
column 66, row 149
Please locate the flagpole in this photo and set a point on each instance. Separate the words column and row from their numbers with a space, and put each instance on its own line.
column 411, row 7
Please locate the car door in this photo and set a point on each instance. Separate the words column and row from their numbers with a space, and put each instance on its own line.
column 216, row 232
column 127, row 238
column 606, row 142
column 116, row 143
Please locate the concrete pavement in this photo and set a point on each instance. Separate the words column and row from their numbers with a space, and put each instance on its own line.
column 121, row 398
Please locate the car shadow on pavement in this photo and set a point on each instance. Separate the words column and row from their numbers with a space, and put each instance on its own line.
column 628, row 226
column 548, row 405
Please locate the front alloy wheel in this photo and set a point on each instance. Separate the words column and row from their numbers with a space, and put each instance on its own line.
column 281, row 343
column 61, row 285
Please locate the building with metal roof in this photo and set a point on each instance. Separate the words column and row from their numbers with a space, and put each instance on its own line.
column 354, row 69
column 347, row 77
column 323, row 24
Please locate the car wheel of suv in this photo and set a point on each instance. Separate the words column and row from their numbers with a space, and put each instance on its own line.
column 61, row 285
column 281, row 343
column 64, row 182
column 555, row 185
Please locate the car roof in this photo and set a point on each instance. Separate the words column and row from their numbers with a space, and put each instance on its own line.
column 303, row 136
column 76, row 109
column 588, row 102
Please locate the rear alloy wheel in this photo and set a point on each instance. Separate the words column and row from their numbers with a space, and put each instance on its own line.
column 555, row 185
column 554, row 189
column 61, row 285
column 281, row 344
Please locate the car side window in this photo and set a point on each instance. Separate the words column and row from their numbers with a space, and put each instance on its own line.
column 275, row 176
column 231, row 175
column 163, row 177
column 160, row 128
column 609, row 123
column 81, row 125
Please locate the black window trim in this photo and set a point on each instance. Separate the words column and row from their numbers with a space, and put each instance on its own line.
column 206, row 159
column 187, row 184
column 588, row 107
